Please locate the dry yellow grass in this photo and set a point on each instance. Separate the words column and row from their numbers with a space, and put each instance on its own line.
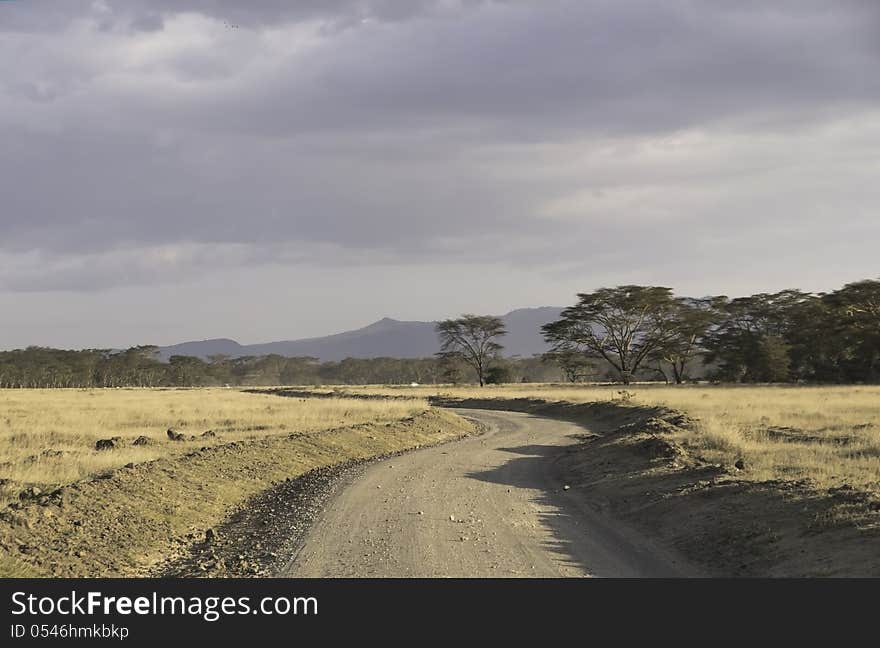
column 47, row 437
column 828, row 435
column 131, row 520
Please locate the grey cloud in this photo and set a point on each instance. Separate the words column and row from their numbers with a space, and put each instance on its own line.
column 137, row 15
column 546, row 68
column 536, row 135
column 527, row 68
column 126, row 191
column 147, row 22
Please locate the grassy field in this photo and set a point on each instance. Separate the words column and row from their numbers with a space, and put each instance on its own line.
column 47, row 437
column 134, row 518
column 829, row 435
column 149, row 504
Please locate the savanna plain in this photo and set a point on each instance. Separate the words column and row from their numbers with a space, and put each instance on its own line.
column 757, row 480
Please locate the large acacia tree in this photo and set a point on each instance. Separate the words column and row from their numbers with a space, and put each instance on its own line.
column 624, row 326
column 688, row 323
column 752, row 341
column 471, row 339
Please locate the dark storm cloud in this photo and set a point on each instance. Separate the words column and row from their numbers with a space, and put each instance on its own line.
column 559, row 66
column 143, row 139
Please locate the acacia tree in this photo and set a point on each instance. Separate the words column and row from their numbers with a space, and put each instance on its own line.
column 574, row 365
column 471, row 339
column 688, row 322
column 623, row 325
column 855, row 316
column 751, row 340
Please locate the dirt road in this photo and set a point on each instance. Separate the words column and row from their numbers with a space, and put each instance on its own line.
column 489, row 506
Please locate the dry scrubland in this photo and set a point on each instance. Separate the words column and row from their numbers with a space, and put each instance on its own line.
column 827, row 435
column 810, row 454
column 47, row 437
column 129, row 510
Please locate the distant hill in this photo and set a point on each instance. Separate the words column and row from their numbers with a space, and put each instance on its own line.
column 204, row 349
column 385, row 338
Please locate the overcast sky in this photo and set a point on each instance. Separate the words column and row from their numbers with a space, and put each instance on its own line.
column 265, row 170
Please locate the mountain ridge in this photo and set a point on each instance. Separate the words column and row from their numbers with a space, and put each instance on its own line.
column 386, row 337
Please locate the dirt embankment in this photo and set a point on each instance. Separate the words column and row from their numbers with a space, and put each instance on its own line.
column 134, row 520
column 715, row 515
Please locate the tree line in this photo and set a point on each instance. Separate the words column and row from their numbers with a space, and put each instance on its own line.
column 40, row 367
column 622, row 334
column 646, row 332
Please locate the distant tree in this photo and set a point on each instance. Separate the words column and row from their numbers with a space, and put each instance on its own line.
column 575, row 366
column 451, row 372
column 814, row 349
column 688, row 321
column 498, row 374
column 187, row 371
column 300, row 371
column 471, row 339
column 750, row 342
column 774, row 360
column 623, row 325
column 855, row 329
column 536, row 368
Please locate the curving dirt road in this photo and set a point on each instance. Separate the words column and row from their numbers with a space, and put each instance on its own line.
column 489, row 506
